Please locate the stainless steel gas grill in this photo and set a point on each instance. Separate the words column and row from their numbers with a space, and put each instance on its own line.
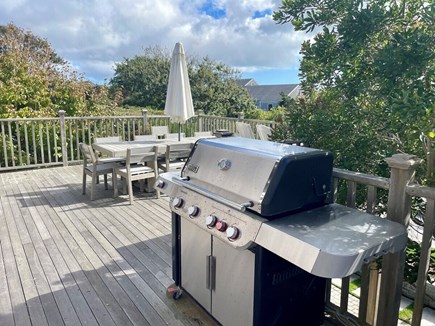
column 253, row 237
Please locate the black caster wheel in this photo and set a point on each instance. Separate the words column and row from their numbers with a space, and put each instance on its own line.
column 177, row 295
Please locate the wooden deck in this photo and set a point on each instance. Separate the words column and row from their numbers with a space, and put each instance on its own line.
column 65, row 260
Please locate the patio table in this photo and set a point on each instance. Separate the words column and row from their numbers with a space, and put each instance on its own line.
column 119, row 149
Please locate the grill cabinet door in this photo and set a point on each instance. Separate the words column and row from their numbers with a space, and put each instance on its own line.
column 233, row 292
column 195, row 249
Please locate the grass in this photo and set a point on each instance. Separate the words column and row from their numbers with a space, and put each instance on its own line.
column 355, row 284
column 406, row 313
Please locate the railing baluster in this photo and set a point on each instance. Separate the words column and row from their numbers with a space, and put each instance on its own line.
column 128, row 130
column 71, row 140
column 11, row 143
column 5, row 151
column 26, row 140
column 35, row 152
column 134, row 130
column 41, row 142
column 369, row 276
column 351, row 194
column 423, row 268
column 372, row 193
column 56, row 152
column 344, row 294
column 47, row 131
column 17, row 132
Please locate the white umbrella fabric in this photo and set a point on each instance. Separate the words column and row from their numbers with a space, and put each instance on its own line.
column 179, row 105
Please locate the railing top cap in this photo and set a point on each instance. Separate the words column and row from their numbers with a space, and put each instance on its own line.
column 403, row 161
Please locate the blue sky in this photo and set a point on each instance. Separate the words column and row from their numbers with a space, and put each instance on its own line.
column 93, row 35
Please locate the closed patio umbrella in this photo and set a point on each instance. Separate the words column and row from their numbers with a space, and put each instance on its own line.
column 179, row 105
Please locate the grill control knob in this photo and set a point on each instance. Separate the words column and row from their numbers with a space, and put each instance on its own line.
column 160, row 184
column 221, row 226
column 232, row 233
column 193, row 211
column 178, row 202
column 210, row 221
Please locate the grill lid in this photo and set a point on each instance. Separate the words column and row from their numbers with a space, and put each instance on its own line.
column 275, row 178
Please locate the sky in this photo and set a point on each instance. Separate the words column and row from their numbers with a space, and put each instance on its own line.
column 95, row 34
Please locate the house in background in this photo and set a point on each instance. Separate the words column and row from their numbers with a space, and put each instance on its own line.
column 269, row 96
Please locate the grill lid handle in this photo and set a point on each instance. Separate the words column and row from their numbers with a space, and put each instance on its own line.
column 185, row 183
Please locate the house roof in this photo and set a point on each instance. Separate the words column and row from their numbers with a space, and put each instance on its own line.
column 246, row 82
column 272, row 93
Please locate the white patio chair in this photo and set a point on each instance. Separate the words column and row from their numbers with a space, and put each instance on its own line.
column 264, row 132
column 175, row 135
column 244, row 129
column 159, row 131
column 145, row 137
column 202, row 134
column 175, row 157
column 94, row 167
column 141, row 164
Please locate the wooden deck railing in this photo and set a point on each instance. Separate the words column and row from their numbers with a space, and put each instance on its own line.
column 28, row 143
column 36, row 142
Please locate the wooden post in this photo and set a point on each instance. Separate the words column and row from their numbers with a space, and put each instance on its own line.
column 63, row 137
column 402, row 173
column 200, row 120
column 241, row 115
column 144, row 118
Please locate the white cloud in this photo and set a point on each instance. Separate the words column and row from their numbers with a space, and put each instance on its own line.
column 93, row 34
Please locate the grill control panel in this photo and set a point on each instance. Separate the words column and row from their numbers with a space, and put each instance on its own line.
column 236, row 227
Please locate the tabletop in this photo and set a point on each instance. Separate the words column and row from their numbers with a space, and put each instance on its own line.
column 119, row 149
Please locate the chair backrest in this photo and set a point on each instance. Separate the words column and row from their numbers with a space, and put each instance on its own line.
column 264, row 132
column 88, row 154
column 159, row 130
column 178, row 151
column 175, row 135
column 145, row 137
column 244, row 129
column 200, row 134
column 102, row 140
column 141, row 155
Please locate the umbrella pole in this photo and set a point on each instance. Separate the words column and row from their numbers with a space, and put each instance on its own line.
column 179, row 131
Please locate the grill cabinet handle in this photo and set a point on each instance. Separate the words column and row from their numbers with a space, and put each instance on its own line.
column 210, row 273
column 207, row 272
column 241, row 207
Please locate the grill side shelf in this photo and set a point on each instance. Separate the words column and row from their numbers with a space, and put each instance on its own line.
column 331, row 241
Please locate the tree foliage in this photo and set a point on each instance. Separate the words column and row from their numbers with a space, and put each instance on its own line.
column 35, row 81
column 143, row 81
column 368, row 78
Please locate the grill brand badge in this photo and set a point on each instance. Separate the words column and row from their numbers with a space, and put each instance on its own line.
column 192, row 167
column 224, row 164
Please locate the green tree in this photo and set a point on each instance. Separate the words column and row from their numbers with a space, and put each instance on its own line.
column 35, row 81
column 143, row 81
column 368, row 78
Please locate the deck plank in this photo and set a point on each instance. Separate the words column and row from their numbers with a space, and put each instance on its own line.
column 66, row 260
column 6, row 317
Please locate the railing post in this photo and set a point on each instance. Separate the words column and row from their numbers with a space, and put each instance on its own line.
column 241, row 115
column 63, row 137
column 402, row 173
column 200, row 121
column 144, row 118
